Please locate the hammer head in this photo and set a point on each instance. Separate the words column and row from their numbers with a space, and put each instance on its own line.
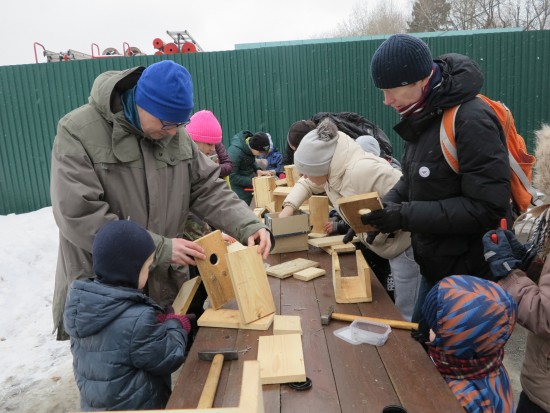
column 227, row 354
column 325, row 318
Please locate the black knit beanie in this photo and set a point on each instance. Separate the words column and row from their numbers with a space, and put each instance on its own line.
column 259, row 142
column 119, row 251
column 401, row 60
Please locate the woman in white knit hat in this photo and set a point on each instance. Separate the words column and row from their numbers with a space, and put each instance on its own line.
column 330, row 161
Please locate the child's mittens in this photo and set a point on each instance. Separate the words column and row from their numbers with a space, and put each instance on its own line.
column 183, row 319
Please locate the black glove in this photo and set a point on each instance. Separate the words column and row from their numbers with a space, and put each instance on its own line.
column 349, row 236
column 371, row 236
column 501, row 255
column 386, row 220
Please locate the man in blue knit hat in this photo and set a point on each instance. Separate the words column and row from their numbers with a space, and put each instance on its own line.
column 447, row 213
column 126, row 155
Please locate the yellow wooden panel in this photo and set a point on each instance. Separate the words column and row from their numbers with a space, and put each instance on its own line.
column 286, row 269
column 250, row 284
column 351, row 206
column 228, row 318
column 281, row 359
column 309, row 274
column 214, row 271
column 185, row 295
column 287, row 324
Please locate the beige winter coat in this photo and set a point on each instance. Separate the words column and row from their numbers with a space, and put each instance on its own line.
column 103, row 169
column 353, row 172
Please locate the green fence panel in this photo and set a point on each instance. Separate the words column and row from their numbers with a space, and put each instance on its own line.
column 259, row 89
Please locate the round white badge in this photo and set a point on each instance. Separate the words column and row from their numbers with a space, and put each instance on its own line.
column 424, row 172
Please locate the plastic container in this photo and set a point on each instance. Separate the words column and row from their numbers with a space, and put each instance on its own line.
column 370, row 332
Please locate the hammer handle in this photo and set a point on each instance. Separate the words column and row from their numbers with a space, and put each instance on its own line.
column 211, row 385
column 405, row 325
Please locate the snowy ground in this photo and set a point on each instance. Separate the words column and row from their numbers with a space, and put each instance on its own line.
column 36, row 370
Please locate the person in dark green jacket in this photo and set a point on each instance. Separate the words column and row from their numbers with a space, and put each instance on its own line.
column 243, row 150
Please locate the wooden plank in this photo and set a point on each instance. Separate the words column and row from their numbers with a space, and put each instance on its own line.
column 214, row 269
column 250, row 284
column 360, row 380
column 309, row 274
column 329, row 241
column 280, row 182
column 259, row 212
column 286, row 269
column 281, row 359
column 229, row 318
column 251, row 400
column 352, row 289
column 351, row 205
column 263, row 188
column 185, row 295
column 340, row 248
column 318, row 213
column 292, row 175
column 287, row 324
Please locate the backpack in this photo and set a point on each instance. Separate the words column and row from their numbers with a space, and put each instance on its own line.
column 355, row 125
column 521, row 162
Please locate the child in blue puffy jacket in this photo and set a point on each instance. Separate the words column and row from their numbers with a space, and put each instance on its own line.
column 124, row 346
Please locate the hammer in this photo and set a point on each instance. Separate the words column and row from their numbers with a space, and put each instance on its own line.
column 405, row 325
column 211, row 385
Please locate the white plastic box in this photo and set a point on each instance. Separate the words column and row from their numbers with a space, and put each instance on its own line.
column 370, row 332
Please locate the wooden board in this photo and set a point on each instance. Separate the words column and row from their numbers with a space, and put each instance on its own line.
column 250, row 284
column 214, row 270
column 281, row 359
column 292, row 175
column 185, row 295
column 280, row 182
column 340, row 248
column 259, row 212
column 286, row 269
column 309, row 274
column 227, row 318
column 263, row 187
column 287, row 324
column 329, row 241
column 352, row 288
column 318, row 213
column 351, row 205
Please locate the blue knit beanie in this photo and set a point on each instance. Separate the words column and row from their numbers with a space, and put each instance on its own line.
column 401, row 60
column 165, row 90
column 119, row 251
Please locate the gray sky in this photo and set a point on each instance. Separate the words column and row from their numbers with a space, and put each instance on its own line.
column 60, row 25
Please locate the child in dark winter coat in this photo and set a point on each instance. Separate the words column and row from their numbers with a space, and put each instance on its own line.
column 124, row 346
column 471, row 319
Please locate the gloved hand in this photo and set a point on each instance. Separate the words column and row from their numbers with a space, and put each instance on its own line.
column 188, row 321
column 349, row 236
column 501, row 255
column 386, row 220
column 371, row 236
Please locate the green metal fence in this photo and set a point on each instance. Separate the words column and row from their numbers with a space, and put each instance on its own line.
column 260, row 89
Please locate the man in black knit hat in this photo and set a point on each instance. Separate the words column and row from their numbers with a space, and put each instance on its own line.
column 447, row 213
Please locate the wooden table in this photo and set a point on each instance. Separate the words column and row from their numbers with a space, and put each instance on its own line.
column 346, row 378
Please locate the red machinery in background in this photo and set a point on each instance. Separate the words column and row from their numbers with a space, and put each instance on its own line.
column 182, row 43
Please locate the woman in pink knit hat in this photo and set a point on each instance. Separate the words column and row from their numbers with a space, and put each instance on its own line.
column 206, row 132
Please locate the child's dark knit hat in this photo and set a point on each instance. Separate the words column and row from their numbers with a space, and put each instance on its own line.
column 119, row 251
column 259, row 142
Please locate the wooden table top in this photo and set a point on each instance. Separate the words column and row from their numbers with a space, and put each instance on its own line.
column 345, row 377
